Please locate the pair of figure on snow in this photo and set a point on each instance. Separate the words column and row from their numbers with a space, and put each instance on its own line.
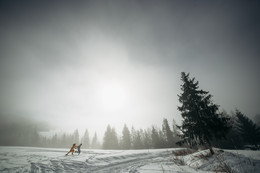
column 72, row 149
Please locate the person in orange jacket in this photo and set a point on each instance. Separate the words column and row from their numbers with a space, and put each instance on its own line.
column 72, row 149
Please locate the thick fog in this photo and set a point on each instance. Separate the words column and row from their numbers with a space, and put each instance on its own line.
column 93, row 63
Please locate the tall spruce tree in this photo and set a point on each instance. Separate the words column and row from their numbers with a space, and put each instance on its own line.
column 155, row 138
column 110, row 139
column 249, row 131
column 95, row 144
column 76, row 136
column 167, row 133
column 107, row 140
column 147, row 139
column 201, row 120
column 126, row 138
column 137, row 140
column 114, row 139
column 176, row 133
column 86, row 139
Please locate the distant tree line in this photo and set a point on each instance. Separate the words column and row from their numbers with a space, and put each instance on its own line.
column 65, row 140
column 243, row 131
column 153, row 137
column 202, row 125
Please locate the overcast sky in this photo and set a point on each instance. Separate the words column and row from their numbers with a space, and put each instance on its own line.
column 92, row 63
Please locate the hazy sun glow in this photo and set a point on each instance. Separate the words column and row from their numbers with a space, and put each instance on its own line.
column 112, row 96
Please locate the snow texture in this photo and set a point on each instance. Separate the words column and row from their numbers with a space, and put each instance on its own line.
column 37, row 160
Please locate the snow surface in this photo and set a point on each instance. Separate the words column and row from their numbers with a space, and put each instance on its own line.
column 28, row 159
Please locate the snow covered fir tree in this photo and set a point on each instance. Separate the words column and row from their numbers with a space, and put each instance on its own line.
column 202, row 121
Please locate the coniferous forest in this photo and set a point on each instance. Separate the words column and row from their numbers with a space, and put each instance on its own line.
column 203, row 125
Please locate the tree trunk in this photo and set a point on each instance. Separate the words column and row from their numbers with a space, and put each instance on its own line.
column 210, row 148
column 211, row 151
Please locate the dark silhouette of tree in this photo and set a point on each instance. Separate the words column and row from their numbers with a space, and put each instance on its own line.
column 248, row 129
column 126, row 138
column 167, row 134
column 257, row 119
column 201, row 120
column 86, row 139
column 233, row 139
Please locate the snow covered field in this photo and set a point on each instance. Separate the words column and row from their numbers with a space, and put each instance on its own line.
column 27, row 159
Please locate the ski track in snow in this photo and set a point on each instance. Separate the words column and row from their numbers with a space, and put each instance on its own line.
column 45, row 160
column 22, row 159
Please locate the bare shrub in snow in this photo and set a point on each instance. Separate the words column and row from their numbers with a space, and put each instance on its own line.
column 223, row 165
column 178, row 155
column 183, row 152
column 179, row 160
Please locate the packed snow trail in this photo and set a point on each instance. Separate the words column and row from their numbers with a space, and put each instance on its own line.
column 26, row 159
column 38, row 160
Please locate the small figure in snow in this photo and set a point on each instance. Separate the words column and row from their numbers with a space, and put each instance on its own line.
column 78, row 149
column 72, row 149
